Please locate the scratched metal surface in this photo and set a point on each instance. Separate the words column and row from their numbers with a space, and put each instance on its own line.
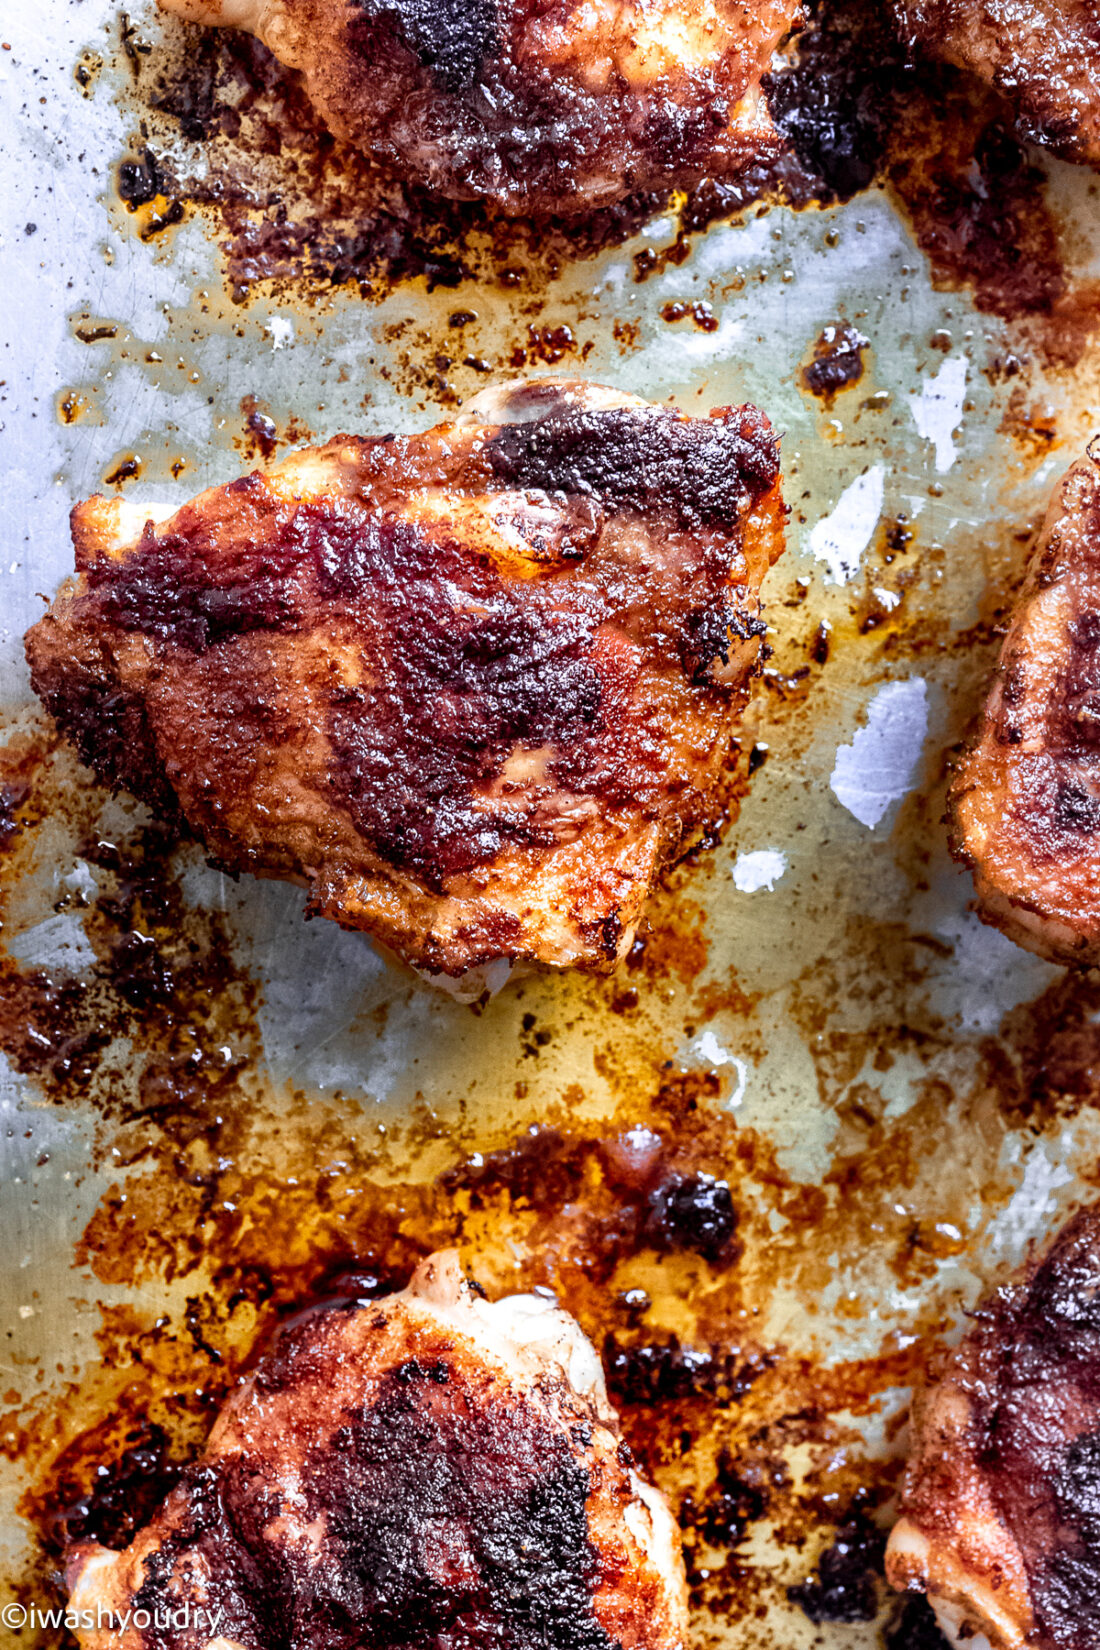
column 831, row 901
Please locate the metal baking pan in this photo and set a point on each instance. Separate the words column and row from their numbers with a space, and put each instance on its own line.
column 212, row 1110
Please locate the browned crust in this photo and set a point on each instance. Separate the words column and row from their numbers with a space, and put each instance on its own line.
column 1043, row 56
column 1000, row 1506
column 468, row 743
column 1024, row 805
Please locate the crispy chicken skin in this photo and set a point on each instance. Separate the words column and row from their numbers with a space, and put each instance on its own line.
column 1025, row 801
column 538, row 107
column 472, row 687
column 1043, row 56
column 1000, row 1520
column 423, row 1472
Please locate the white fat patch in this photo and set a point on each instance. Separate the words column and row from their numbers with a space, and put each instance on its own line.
column 538, row 1325
column 58, row 945
column 937, row 409
column 1031, row 1205
column 80, row 880
column 487, row 979
column 760, row 869
column 711, row 1052
column 878, row 768
column 840, row 538
column 281, row 331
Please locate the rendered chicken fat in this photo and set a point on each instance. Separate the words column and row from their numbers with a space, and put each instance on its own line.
column 555, row 108
column 419, row 1471
column 471, row 688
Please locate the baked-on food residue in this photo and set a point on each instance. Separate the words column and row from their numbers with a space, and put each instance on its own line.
column 472, row 687
column 1026, row 798
column 1000, row 1517
column 1043, row 56
column 428, row 1468
column 536, row 108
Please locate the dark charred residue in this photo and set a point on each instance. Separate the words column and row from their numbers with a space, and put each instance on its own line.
column 845, row 1585
column 693, row 1212
column 261, row 431
column 710, row 470
column 648, row 1202
column 59, row 1027
column 13, row 793
column 700, row 312
column 127, row 469
column 452, row 38
column 913, row 1626
column 141, row 181
column 837, row 361
column 133, row 1480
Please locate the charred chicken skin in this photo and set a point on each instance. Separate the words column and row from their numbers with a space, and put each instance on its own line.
column 1025, row 802
column 1000, row 1517
column 1043, row 56
column 471, row 687
column 550, row 108
column 422, row 1472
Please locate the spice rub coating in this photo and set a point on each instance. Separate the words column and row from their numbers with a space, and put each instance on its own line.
column 472, row 688
column 1000, row 1517
column 424, row 1471
column 1043, row 56
column 1025, row 801
column 538, row 108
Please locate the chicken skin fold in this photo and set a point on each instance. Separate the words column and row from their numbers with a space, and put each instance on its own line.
column 1025, row 801
column 428, row 1471
column 538, row 108
column 1000, row 1520
column 471, row 688
column 1043, row 56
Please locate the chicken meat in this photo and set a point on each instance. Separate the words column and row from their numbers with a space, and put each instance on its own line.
column 472, row 687
column 428, row 1471
column 536, row 107
column 1042, row 56
column 1000, row 1520
column 1025, row 800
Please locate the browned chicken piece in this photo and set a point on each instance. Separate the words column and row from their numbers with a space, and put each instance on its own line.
column 1000, row 1521
column 423, row 1472
column 1043, row 56
column 1025, row 802
column 550, row 106
column 472, row 687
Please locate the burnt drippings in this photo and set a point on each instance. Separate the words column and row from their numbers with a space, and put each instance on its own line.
column 837, row 361
column 654, row 1203
column 162, row 978
column 844, row 1587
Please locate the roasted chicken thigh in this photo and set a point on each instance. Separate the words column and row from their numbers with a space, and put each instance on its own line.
column 470, row 687
column 1000, row 1517
column 1025, row 802
column 537, row 107
column 1043, row 56
column 422, row 1472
